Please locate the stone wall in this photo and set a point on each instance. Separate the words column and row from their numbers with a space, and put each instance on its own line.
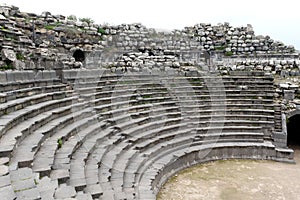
column 236, row 40
column 47, row 41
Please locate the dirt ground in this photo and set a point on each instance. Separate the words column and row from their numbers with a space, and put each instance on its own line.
column 236, row 179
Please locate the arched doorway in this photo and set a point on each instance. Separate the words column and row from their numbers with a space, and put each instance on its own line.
column 293, row 130
column 79, row 55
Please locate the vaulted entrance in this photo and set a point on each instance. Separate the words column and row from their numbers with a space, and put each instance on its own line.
column 293, row 130
column 79, row 55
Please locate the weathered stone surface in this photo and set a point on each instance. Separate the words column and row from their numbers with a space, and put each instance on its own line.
column 284, row 86
column 4, row 181
column 28, row 194
column 47, row 187
column 4, row 160
column 8, row 54
column 3, row 170
column 7, row 192
column 65, row 192
column 83, row 197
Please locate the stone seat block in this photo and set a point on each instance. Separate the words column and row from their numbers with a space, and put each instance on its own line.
column 82, row 196
column 64, row 191
column 24, row 92
column 3, row 77
column 44, row 158
column 16, row 85
column 79, row 183
column 32, row 142
column 47, row 187
column 17, row 104
column 61, row 175
column 16, row 128
column 32, row 193
column 161, row 169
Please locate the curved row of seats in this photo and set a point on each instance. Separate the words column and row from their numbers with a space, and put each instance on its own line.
column 98, row 135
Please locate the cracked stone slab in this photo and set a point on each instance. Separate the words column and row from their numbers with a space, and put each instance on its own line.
column 7, row 193
column 65, row 191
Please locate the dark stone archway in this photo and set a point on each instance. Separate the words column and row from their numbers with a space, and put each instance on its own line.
column 79, row 55
column 293, row 130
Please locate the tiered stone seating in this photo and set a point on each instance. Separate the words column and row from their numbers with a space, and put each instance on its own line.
column 121, row 145
column 30, row 100
column 100, row 135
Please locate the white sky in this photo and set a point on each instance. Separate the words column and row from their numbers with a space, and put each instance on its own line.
column 279, row 19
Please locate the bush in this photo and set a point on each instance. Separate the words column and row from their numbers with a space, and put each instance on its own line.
column 87, row 20
column 102, row 31
column 72, row 17
column 59, row 143
column 7, row 66
column 19, row 56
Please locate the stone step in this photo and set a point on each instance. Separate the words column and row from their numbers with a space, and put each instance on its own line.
column 24, row 154
column 204, row 93
column 285, row 155
column 25, row 92
column 65, row 192
column 150, row 86
column 173, row 160
column 144, row 76
column 81, row 154
column 44, row 158
column 78, row 176
column 95, row 190
column 27, row 120
column 16, row 85
column 247, row 73
column 110, row 157
column 119, row 168
column 63, row 155
column 112, row 94
column 121, row 106
column 24, row 183
column 196, row 81
column 47, row 188
column 179, row 99
column 18, row 104
column 7, row 192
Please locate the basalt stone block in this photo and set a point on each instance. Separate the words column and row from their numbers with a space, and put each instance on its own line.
column 7, row 193
column 49, row 75
column 65, row 192
column 3, row 77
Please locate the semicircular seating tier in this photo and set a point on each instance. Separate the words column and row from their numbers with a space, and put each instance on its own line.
column 93, row 134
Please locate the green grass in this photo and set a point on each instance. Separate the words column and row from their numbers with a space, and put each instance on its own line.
column 49, row 27
column 228, row 53
column 220, row 48
column 146, row 96
column 52, row 26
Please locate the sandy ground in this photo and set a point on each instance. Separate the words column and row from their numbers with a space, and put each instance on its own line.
column 236, row 179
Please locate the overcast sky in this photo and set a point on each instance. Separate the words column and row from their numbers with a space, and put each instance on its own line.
column 279, row 19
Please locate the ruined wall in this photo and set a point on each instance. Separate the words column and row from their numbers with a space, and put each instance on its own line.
column 46, row 41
